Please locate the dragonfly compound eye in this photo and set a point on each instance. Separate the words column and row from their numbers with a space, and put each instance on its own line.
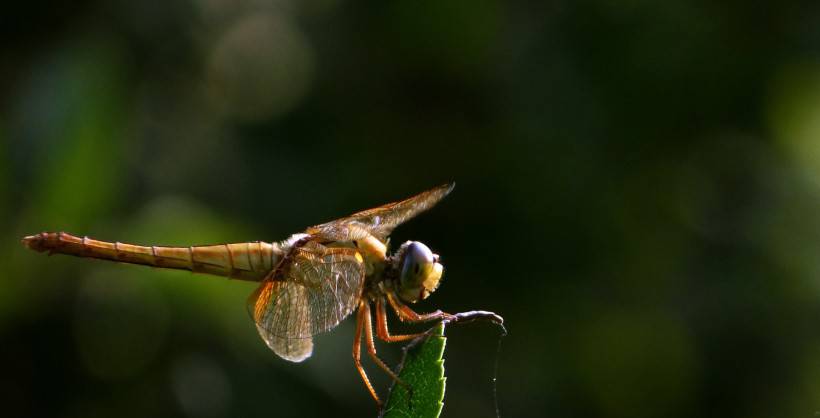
column 420, row 271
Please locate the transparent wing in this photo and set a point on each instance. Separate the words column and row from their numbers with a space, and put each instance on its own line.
column 291, row 349
column 380, row 221
column 315, row 290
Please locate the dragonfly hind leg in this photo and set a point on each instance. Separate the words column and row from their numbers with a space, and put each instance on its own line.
column 357, row 352
column 364, row 326
column 371, row 347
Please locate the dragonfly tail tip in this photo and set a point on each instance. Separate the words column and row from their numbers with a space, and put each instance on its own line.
column 33, row 242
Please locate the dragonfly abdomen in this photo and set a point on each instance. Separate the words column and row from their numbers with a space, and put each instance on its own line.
column 245, row 261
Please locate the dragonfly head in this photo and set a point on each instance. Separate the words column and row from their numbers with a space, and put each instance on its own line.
column 420, row 271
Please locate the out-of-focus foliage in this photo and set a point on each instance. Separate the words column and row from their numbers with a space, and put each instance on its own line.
column 638, row 188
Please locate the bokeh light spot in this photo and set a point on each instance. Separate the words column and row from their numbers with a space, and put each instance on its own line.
column 261, row 67
column 794, row 115
column 201, row 387
column 120, row 324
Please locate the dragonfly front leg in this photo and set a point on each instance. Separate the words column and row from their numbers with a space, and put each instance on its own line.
column 357, row 351
column 381, row 326
column 406, row 314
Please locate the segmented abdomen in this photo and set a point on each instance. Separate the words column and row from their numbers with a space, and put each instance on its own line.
column 244, row 261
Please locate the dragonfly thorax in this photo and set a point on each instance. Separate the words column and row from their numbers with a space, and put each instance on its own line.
column 419, row 271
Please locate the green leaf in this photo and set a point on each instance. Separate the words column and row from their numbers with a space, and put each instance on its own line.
column 422, row 369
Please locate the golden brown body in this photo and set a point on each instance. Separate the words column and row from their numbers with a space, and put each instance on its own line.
column 250, row 261
column 311, row 281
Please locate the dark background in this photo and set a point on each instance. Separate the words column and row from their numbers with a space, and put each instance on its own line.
column 637, row 194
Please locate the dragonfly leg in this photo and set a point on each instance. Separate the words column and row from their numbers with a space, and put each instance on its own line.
column 381, row 326
column 406, row 314
column 371, row 347
column 357, row 351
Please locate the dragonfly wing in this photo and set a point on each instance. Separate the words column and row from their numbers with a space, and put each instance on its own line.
column 380, row 221
column 291, row 349
column 318, row 288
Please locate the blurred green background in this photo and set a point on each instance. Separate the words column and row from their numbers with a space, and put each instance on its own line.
column 638, row 194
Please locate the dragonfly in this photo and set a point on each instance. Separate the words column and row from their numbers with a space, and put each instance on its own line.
column 311, row 281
